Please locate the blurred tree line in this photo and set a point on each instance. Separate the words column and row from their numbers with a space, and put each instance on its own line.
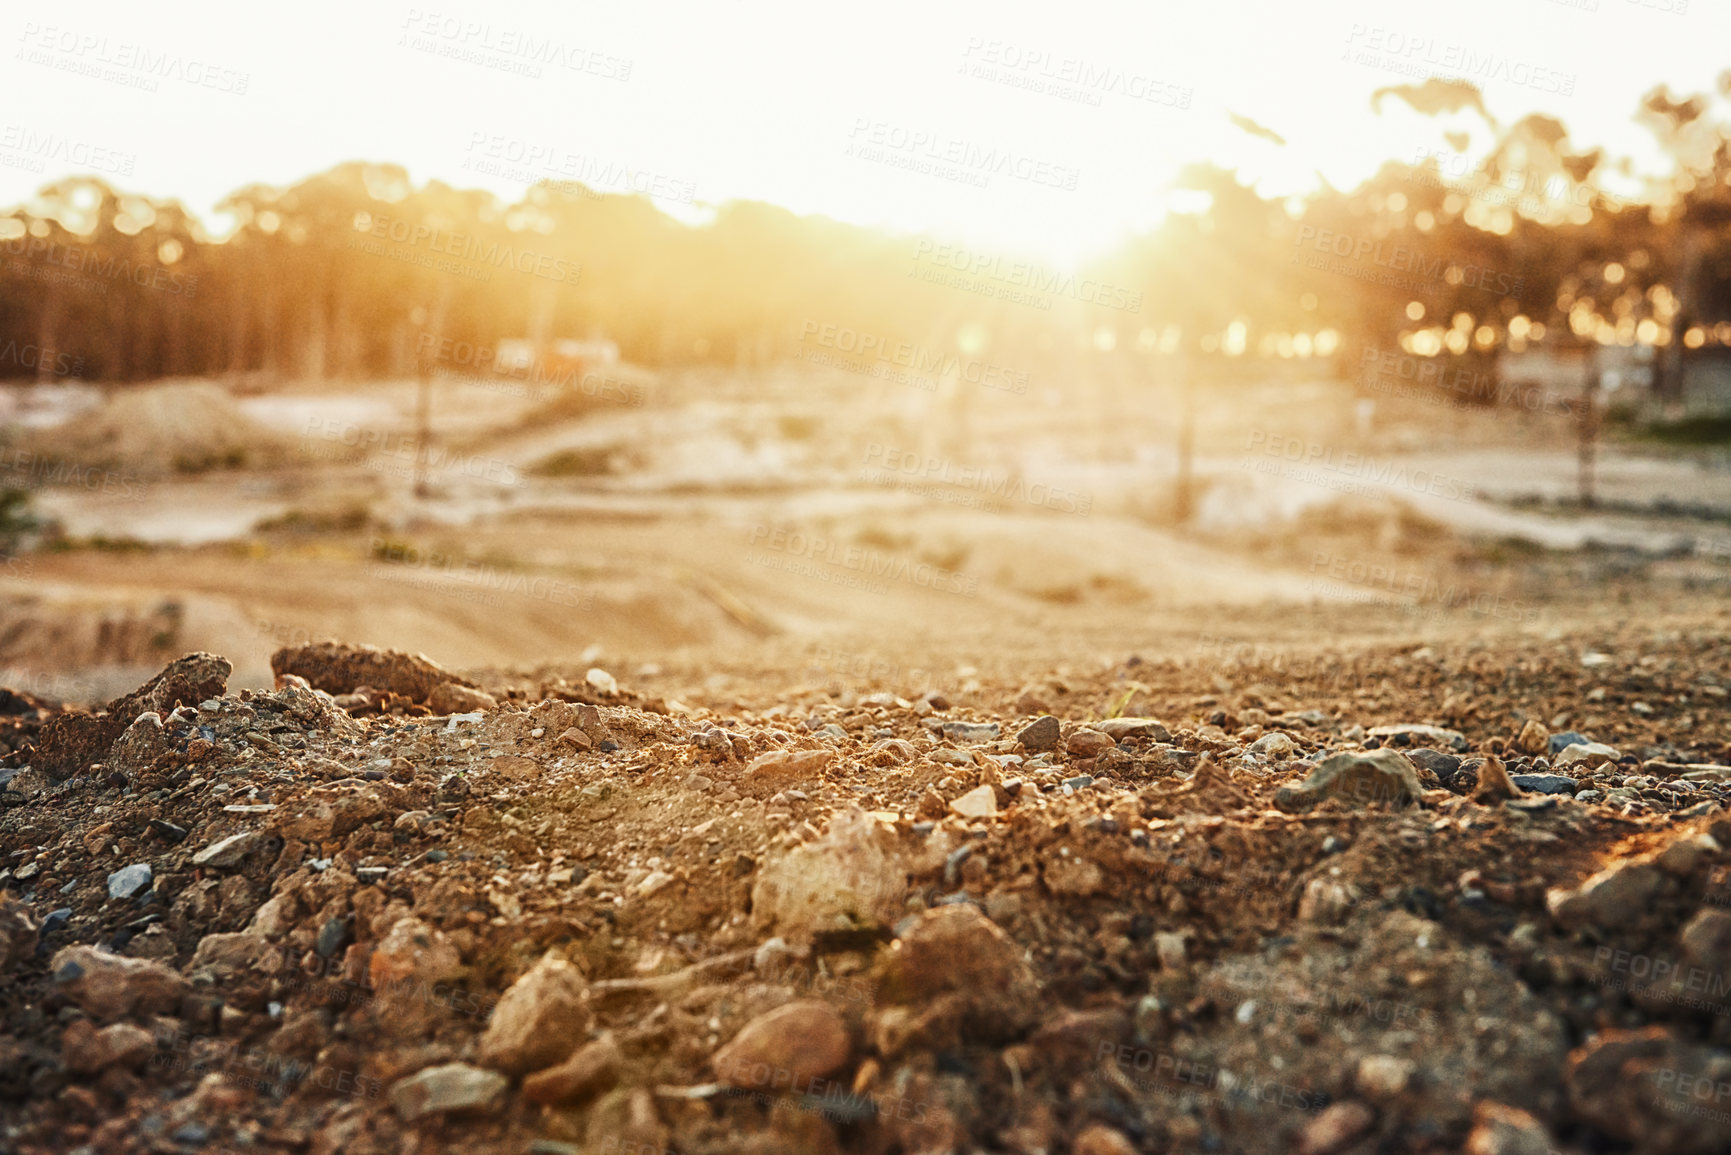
column 357, row 273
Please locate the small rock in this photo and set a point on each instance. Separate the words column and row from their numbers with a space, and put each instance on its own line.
column 1615, row 897
column 851, row 876
column 1087, row 743
column 980, row 802
column 107, row 986
column 539, row 1020
column 229, row 851
column 1444, row 766
column 1557, row 743
column 602, row 682
column 335, row 935
column 1502, row 1130
column 1119, row 729
column 452, row 698
column 1494, row 784
column 791, row 1046
column 449, row 1089
column 1545, row 783
column 130, row 881
column 1589, row 754
column 85, row 1050
column 779, row 769
column 1384, row 1076
column 1336, row 1126
column 1041, row 734
column 576, row 739
column 592, row 1070
column 1099, row 1139
column 1533, row 739
column 1275, row 746
column 1382, row 775
column 1073, row 877
column 971, row 731
column 1412, row 734
column 17, row 933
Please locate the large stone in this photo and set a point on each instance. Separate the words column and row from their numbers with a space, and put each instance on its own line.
column 592, row 1070
column 852, row 876
column 107, row 986
column 539, row 1021
column 70, row 742
column 1357, row 779
column 342, row 669
column 451, row 1089
column 788, row 1047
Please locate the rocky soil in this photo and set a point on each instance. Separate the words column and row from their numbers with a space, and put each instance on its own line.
column 1461, row 897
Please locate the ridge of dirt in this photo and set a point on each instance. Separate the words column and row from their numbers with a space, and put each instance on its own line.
column 1063, row 913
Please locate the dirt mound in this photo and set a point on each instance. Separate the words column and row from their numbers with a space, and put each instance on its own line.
column 181, row 427
column 841, row 922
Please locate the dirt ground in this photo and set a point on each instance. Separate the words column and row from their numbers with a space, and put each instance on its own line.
column 768, row 795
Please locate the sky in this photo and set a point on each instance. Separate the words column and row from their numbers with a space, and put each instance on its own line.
column 1012, row 126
